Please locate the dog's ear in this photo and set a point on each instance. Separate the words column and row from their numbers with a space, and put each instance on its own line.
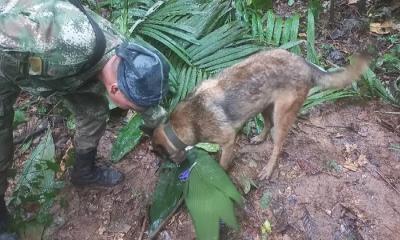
column 147, row 130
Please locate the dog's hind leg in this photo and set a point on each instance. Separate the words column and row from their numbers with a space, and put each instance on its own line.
column 267, row 115
column 285, row 112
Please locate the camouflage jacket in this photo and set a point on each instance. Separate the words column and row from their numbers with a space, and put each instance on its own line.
column 60, row 34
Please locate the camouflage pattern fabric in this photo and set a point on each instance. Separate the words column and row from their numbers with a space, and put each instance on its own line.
column 61, row 35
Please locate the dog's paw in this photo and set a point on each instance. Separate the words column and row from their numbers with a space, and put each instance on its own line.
column 265, row 173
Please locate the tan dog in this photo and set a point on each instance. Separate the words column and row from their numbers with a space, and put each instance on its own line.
column 274, row 83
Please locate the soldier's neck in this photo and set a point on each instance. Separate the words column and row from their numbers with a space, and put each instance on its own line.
column 108, row 75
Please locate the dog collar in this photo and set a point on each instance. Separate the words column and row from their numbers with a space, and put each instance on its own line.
column 171, row 135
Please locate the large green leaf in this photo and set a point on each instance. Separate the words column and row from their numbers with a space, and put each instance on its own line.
column 278, row 30
column 19, row 117
column 377, row 88
column 207, row 205
column 311, row 52
column 269, row 32
column 317, row 96
column 37, row 184
column 167, row 197
column 294, row 31
column 286, row 31
column 209, row 147
column 209, row 195
column 128, row 137
column 213, row 174
column 36, row 167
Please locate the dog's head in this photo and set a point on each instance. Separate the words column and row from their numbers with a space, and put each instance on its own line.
column 166, row 146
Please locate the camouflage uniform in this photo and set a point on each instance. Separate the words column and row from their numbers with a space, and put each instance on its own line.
column 61, row 35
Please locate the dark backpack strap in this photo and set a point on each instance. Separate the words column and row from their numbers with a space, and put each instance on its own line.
column 100, row 45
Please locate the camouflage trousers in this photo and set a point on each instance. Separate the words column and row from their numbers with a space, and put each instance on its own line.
column 90, row 109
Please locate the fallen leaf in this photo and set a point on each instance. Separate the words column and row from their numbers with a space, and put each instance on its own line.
column 209, row 147
column 396, row 26
column 350, row 166
column 329, row 212
column 101, row 230
column 381, row 28
column 265, row 200
column 362, row 160
column 310, row 227
column 246, row 184
column 338, row 135
column 266, row 227
column 350, row 147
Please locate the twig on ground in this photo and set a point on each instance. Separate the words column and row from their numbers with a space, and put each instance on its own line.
column 393, row 231
column 350, row 128
column 332, row 64
column 388, row 48
column 386, row 180
column 312, row 125
column 391, row 205
column 395, row 113
column 144, row 223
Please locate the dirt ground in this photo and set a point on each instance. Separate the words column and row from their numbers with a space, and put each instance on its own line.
column 335, row 180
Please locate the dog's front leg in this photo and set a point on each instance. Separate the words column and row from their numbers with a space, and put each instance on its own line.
column 226, row 155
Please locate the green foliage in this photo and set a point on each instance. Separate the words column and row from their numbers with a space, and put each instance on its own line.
column 377, row 88
column 389, row 65
column 166, row 198
column 311, row 52
column 315, row 7
column 71, row 124
column 390, row 62
column 209, row 147
column 316, row 97
column 36, row 186
column 260, row 4
column 128, row 137
column 265, row 200
column 246, row 184
column 208, row 194
column 271, row 29
column 19, row 117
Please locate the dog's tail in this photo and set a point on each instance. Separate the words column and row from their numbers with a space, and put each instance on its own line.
column 342, row 78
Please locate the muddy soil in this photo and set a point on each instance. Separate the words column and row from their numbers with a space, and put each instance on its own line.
column 338, row 178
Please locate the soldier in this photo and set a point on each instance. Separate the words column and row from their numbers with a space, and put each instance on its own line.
column 59, row 48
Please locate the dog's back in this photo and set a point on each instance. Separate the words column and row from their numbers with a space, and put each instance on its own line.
column 243, row 90
column 247, row 88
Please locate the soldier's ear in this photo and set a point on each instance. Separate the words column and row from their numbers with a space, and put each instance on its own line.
column 114, row 88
